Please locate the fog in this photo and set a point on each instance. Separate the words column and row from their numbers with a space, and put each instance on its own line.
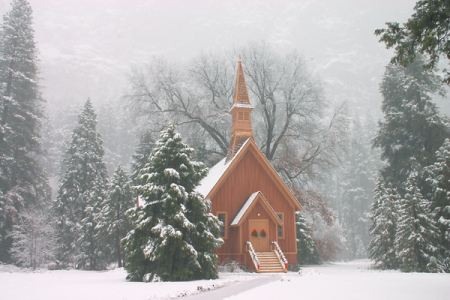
column 145, row 64
column 87, row 47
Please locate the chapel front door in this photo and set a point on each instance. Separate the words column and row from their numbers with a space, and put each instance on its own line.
column 259, row 235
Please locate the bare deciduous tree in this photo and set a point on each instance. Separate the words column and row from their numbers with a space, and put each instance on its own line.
column 33, row 239
column 289, row 119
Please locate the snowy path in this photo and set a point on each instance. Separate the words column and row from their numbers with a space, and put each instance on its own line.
column 235, row 288
column 339, row 281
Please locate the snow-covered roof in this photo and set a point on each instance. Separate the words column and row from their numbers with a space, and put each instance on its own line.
column 244, row 208
column 215, row 173
column 248, row 204
column 244, row 105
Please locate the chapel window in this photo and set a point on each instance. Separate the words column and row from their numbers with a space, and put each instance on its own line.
column 280, row 228
column 222, row 218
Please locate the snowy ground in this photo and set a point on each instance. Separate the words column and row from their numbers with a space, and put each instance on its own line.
column 330, row 281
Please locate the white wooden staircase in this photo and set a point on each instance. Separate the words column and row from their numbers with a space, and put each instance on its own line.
column 269, row 262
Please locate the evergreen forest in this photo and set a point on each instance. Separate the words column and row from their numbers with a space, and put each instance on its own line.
column 95, row 183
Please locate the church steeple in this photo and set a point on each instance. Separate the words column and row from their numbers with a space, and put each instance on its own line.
column 241, row 128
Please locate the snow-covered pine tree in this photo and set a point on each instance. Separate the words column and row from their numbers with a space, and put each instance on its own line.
column 142, row 155
column 412, row 129
column 357, row 183
column 384, row 224
column 23, row 183
column 416, row 236
column 33, row 239
column 174, row 233
column 306, row 249
column 438, row 176
column 80, row 193
column 113, row 224
column 92, row 253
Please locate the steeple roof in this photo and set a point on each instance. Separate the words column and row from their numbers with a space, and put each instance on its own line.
column 240, row 98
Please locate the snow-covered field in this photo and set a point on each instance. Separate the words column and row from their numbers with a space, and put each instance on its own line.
column 347, row 281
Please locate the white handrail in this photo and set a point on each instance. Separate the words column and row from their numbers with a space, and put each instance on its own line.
column 253, row 255
column 280, row 254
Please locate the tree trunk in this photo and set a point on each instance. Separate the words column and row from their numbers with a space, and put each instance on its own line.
column 119, row 258
column 5, row 104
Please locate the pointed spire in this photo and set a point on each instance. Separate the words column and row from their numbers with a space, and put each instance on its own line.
column 240, row 91
column 241, row 129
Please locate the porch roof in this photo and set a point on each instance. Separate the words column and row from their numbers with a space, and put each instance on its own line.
column 248, row 205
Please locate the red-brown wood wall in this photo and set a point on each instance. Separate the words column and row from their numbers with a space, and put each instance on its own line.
column 249, row 177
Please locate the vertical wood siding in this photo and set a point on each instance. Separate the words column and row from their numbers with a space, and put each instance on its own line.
column 249, row 177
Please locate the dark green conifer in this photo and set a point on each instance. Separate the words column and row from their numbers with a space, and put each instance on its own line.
column 384, row 226
column 174, row 233
column 112, row 223
column 438, row 177
column 412, row 130
column 416, row 238
column 306, row 249
column 81, row 191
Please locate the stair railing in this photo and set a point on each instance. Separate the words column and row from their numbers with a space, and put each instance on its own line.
column 280, row 255
column 253, row 255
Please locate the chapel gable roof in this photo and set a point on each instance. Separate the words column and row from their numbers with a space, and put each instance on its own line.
column 220, row 172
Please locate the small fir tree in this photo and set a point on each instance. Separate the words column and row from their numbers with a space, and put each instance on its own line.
column 306, row 249
column 438, row 176
column 113, row 224
column 384, row 224
column 174, row 234
column 80, row 193
column 416, row 236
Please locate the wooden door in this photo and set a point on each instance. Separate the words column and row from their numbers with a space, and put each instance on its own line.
column 260, row 243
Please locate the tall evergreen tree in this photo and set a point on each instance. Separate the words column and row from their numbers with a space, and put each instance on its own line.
column 384, row 225
column 113, row 224
column 412, row 126
column 174, row 234
column 22, row 181
column 438, row 176
column 417, row 236
column 142, row 155
column 411, row 133
column 356, row 183
column 80, row 193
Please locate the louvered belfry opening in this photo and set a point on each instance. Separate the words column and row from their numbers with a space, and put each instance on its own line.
column 241, row 128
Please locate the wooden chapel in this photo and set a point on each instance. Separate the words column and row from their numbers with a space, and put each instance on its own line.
column 247, row 194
